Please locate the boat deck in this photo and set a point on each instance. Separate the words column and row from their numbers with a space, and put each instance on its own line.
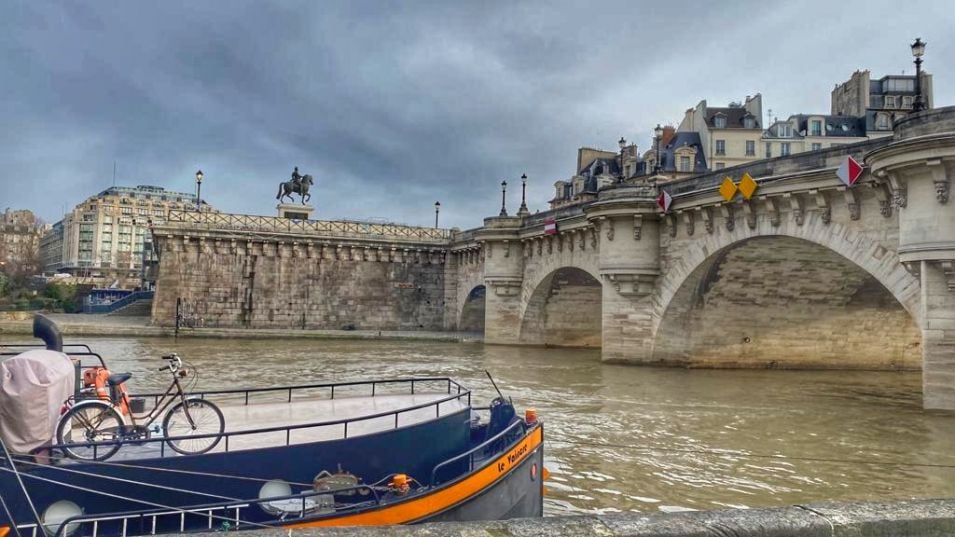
column 347, row 415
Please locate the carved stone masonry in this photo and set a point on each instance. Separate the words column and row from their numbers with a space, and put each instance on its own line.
column 593, row 235
column 749, row 210
column 948, row 267
column 885, row 200
column 706, row 213
column 583, row 239
column 540, row 247
column 822, row 203
column 632, row 285
column 795, row 204
column 729, row 216
column 560, row 242
column 897, row 184
column 610, row 227
column 940, row 178
column 550, row 244
column 852, row 203
column 772, row 208
column 637, row 226
column 688, row 221
column 671, row 224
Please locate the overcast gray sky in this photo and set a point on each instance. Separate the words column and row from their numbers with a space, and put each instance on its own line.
column 394, row 105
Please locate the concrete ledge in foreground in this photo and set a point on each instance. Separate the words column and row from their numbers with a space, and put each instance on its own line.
column 929, row 518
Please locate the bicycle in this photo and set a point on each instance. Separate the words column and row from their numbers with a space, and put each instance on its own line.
column 89, row 422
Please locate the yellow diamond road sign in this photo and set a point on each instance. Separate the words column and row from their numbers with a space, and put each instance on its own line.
column 728, row 189
column 747, row 186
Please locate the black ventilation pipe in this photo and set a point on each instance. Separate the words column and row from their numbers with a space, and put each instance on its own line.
column 46, row 330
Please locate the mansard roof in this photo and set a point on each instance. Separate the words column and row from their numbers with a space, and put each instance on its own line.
column 734, row 117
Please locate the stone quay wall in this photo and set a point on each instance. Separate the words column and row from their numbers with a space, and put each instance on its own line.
column 257, row 272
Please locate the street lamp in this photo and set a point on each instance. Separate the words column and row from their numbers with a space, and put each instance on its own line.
column 657, row 136
column 437, row 208
column 622, row 143
column 198, row 190
column 523, row 211
column 503, row 198
column 918, row 50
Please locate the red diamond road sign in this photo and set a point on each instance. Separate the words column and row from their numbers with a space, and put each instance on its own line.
column 850, row 171
column 664, row 200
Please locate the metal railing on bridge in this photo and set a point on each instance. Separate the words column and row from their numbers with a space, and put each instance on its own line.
column 205, row 221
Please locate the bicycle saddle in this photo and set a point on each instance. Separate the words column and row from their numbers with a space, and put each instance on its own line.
column 118, row 378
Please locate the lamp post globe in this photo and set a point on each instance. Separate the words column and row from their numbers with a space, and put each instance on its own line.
column 437, row 208
column 198, row 190
column 918, row 50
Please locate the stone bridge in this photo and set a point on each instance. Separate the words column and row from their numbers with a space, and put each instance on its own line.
column 808, row 273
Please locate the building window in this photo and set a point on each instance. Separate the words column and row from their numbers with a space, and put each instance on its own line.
column 749, row 123
column 719, row 122
column 816, row 127
column 890, row 101
column 721, row 147
column 769, row 150
column 785, row 130
column 684, row 164
column 750, row 148
column 720, row 165
column 784, row 149
column 816, row 146
column 882, row 122
column 906, row 101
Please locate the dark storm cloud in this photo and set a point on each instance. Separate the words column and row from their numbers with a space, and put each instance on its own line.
column 395, row 105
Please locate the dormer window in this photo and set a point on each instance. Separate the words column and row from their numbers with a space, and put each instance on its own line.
column 719, row 122
column 890, row 101
column 749, row 122
column 785, row 130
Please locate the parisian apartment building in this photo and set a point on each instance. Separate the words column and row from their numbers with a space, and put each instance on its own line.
column 20, row 233
column 105, row 240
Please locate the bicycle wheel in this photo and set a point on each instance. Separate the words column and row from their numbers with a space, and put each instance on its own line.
column 81, row 429
column 197, row 417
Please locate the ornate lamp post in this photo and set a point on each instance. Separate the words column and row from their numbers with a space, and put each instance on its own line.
column 437, row 208
column 503, row 198
column 622, row 143
column 198, row 190
column 523, row 211
column 657, row 136
column 918, row 50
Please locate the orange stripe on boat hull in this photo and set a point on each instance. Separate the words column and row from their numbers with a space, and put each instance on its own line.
column 4, row 530
column 433, row 503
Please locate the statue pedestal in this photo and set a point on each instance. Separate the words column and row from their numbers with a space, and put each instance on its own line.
column 295, row 211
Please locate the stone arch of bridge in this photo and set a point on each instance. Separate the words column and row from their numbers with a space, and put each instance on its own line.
column 563, row 307
column 812, row 296
column 471, row 318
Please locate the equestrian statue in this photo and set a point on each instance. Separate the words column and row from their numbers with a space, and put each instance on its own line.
column 298, row 185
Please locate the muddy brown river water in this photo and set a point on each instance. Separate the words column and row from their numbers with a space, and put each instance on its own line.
column 622, row 438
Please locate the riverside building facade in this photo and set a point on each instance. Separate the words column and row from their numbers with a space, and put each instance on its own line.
column 106, row 239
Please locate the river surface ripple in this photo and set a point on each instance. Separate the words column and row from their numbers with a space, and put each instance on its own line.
column 624, row 438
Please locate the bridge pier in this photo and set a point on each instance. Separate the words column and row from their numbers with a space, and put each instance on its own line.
column 628, row 226
column 919, row 166
column 503, row 279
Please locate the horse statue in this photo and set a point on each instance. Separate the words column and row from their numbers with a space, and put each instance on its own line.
column 287, row 188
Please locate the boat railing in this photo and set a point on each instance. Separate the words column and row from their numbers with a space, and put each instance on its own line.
column 480, row 448
column 245, row 393
column 227, row 436
column 73, row 350
column 149, row 519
